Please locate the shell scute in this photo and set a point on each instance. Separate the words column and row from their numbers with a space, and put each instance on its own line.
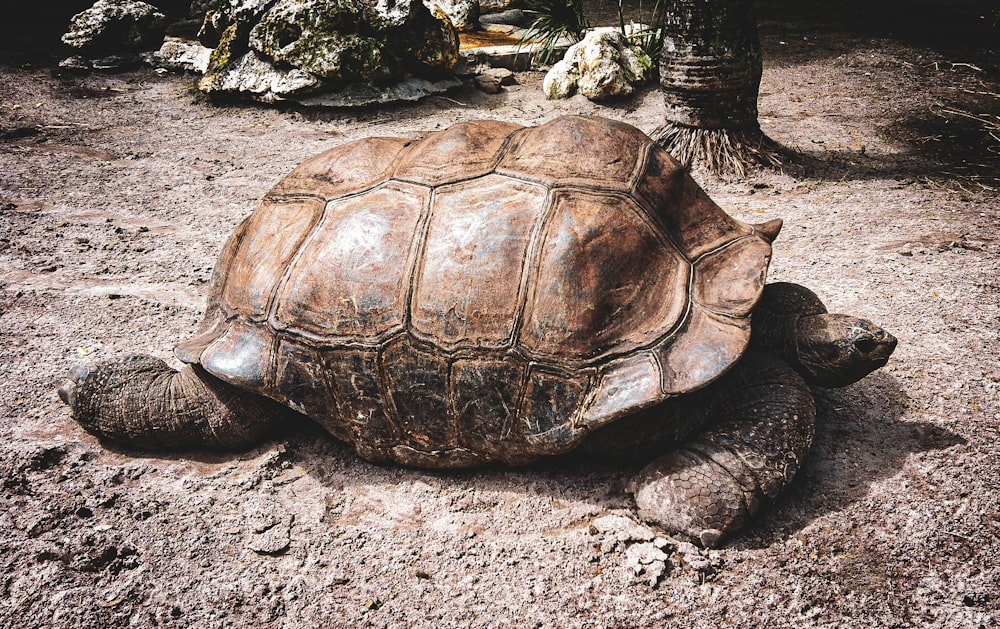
column 350, row 280
column 346, row 169
column 577, row 150
column 632, row 382
column 702, row 350
column 462, row 151
column 272, row 237
column 352, row 376
column 607, row 281
column 417, row 383
column 306, row 384
column 742, row 263
column 241, row 356
column 550, row 409
column 478, row 229
column 695, row 223
column 487, row 395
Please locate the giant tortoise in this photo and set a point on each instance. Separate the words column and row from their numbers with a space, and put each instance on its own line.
column 498, row 293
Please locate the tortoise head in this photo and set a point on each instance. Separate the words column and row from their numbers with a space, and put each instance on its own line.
column 834, row 350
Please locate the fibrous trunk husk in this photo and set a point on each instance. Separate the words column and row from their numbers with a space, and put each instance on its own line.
column 722, row 151
column 710, row 71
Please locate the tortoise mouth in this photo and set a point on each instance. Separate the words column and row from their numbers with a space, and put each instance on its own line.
column 845, row 375
column 873, row 363
column 878, row 350
column 877, row 363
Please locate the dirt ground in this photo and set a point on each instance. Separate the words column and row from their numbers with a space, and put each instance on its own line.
column 117, row 191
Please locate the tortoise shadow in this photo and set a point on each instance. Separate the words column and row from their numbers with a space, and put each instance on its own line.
column 860, row 440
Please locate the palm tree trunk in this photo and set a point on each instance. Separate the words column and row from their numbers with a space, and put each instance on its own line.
column 710, row 70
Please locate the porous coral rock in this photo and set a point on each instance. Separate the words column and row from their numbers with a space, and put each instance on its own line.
column 464, row 14
column 602, row 66
column 116, row 26
column 280, row 49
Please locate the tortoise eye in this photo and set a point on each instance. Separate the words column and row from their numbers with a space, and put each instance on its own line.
column 865, row 344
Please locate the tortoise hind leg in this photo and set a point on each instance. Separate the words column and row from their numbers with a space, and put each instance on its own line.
column 139, row 401
column 762, row 428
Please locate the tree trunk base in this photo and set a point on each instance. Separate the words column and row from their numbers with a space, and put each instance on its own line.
column 722, row 151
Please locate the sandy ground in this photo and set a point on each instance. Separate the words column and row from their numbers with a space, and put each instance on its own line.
column 116, row 193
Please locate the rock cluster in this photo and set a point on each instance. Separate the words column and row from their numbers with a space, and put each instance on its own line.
column 274, row 50
column 649, row 556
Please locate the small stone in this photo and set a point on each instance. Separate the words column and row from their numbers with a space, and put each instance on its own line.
column 504, row 75
column 270, row 529
column 491, row 80
column 488, row 83
column 623, row 528
column 75, row 64
column 273, row 540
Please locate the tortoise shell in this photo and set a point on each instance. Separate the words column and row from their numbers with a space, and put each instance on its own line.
column 491, row 292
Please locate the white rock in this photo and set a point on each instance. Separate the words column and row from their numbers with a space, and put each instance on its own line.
column 464, row 14
column 600, row 67
column 180, row 55
column 623, row 529
column 251, row 75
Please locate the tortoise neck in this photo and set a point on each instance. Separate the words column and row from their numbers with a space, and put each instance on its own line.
column 776, row 321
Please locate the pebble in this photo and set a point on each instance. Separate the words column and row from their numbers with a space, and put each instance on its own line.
column 623, row 529
column 492, row 80
column 273, row 540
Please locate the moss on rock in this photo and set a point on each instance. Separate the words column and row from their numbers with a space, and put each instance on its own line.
column 336, row 41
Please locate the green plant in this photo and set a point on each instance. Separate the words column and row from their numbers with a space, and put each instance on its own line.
column 553, row 20
column 647, row 35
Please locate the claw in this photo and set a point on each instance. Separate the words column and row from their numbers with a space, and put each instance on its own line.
column 67, row 393
column 67, row 390
column 79, row 373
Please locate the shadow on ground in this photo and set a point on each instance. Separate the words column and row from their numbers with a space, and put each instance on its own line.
column 860, row 440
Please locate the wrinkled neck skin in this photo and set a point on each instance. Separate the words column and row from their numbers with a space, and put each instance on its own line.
column 828, row 350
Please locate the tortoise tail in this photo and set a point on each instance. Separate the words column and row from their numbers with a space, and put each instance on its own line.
column 714, row 483
column 139, row 401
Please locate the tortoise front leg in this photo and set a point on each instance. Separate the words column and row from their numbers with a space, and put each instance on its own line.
column 139, row 401
column 762, row 428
